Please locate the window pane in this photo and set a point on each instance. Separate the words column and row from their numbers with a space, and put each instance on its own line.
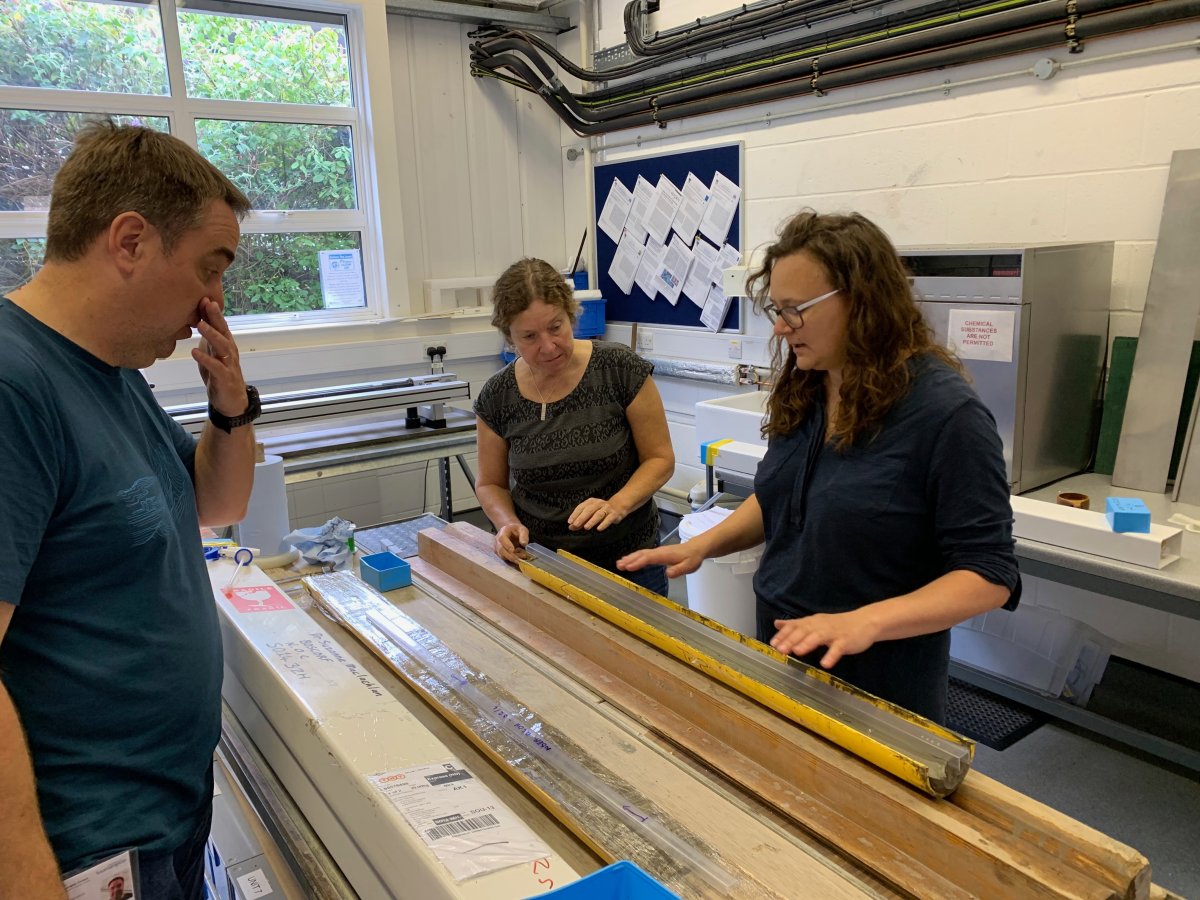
column 83, row 46
column 19, row 259
column 280, row 273
column 33, row 145
column 281, row 165
column 227, row 57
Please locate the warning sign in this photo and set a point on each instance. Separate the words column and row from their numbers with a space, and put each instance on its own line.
column 982, row 334
column 259, row 598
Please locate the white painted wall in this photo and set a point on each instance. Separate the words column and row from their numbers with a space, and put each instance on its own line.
column 1083, row 156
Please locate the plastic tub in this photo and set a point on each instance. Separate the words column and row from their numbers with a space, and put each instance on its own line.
column 620, row 881
column 384, row 571
column 722, row 588
column 591, row 318
column 1036, row 647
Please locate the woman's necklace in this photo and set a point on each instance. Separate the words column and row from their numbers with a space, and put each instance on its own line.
column 533, row 379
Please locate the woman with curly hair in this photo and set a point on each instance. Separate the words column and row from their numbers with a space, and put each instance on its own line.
column 883, row 497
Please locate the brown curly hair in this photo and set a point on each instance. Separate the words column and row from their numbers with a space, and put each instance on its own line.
column 885, row 327
column 523, row 282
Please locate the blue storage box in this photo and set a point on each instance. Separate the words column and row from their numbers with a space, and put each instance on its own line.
column 1127, row 514
column 620, row 881
column 578, row 281
column 591, row 318
column 384, row 571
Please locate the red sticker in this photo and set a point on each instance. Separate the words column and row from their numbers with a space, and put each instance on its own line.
column 258, row 598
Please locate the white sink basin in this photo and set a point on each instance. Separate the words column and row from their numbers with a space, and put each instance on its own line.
column 737, row 417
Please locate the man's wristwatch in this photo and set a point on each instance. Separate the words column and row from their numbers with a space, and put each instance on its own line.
column 228, row 423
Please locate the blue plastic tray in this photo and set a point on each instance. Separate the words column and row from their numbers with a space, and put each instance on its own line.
column 620, row 881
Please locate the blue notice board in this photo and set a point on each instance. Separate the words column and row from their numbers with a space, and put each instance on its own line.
column 704, row 164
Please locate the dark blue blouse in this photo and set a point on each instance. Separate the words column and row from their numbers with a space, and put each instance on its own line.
column 926, row 496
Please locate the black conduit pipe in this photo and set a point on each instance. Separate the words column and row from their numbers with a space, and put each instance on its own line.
column 1145, row 15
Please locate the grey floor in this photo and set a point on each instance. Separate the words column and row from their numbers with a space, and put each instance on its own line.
column 1152, row 808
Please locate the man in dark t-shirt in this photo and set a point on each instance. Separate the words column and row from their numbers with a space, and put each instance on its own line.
column 110, row 657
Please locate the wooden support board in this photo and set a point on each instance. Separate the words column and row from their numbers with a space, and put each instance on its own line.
column 766, row 862
column 986, row 841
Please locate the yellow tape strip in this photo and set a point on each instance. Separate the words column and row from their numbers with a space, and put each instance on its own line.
column 846, row 737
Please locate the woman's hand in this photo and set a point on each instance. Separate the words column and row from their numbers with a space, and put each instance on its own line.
column 595, row 513
column 843, row 633
column 680, row 559
column 510, row 542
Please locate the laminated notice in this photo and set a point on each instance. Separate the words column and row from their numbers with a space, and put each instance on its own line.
column 466, row 826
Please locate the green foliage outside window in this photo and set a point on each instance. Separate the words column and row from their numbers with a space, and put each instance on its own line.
column 93, row 46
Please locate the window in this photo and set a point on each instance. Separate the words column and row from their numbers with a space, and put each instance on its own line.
column 268, row 94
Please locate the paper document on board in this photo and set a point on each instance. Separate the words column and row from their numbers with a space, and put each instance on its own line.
column 719, row 211
column 616, row 210
column 691, row 208
column 647, row 273
column 639, row 212
column 674, row 269
column 700, row 276
column 625, row 263
column 666, row 203
column 716, row 307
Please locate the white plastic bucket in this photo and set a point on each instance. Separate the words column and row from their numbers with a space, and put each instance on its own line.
column 722, row 588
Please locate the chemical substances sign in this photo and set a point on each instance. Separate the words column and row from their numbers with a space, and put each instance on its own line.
column 982, row 334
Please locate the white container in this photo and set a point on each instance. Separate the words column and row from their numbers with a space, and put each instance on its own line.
column 1041, row 649
column 722, row 588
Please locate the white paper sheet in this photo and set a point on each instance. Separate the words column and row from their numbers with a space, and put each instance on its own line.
column 467, row 827
column 718, row 212
column 616, row 210
column 625, row 263
column 981, row 334
column 691, row 208
column 674, row 269
column 643, row 202
column 666, row 203
column 702, row 273
column 647, row 273
column 715, row 308
column 728, row 257
column 341, row 278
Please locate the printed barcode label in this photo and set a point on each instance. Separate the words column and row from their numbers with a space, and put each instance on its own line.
column 451, row 828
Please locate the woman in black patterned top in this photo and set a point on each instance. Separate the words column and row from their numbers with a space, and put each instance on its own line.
column 572, row 438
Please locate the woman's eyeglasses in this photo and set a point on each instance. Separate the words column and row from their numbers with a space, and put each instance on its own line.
column 793, row 316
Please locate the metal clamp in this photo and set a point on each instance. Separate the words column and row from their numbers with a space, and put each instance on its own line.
column 816, row 73
column 1074, row 45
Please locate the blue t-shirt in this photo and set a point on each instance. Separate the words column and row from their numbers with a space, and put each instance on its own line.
column 926, row 496
column 112, row 657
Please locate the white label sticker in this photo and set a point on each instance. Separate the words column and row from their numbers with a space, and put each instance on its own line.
column 255, row 884
column 982, row 334
column 468, row 828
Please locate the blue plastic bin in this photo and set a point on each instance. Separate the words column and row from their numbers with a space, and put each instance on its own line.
column 384, row 571
column 620, row 881
column 578, row 281
column 591, row 318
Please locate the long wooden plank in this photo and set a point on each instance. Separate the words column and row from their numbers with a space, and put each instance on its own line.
column 973, row 853
column 766, row 863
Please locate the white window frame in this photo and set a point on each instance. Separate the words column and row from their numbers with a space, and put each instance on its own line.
column 182, row 113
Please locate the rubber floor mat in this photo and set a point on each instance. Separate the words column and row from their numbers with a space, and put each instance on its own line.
column 987, row 718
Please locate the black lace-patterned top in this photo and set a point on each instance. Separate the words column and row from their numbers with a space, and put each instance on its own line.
column 584, row 449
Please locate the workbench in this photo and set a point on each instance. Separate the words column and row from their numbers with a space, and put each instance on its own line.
column 1174, row 589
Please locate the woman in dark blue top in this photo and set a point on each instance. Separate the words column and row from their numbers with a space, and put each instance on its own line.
column 883, row 496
